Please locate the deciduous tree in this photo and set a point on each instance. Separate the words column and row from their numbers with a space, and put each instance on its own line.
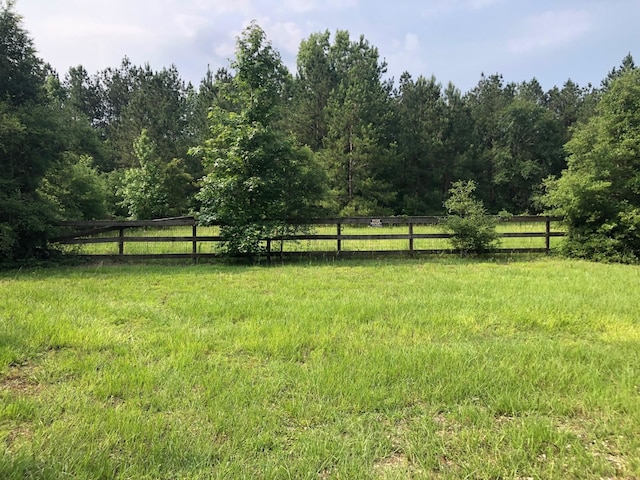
column 156, row 188
column 257, row 176
column 599, row 192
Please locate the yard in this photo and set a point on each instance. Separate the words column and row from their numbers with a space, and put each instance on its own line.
column 440, row 367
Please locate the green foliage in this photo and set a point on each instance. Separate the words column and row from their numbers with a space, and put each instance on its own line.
column 75, row 187
column 521, row 140
column 599, row 192
column 473, row 230
column 572, row 104
column 374, row 150
column 21, row 71
column 316, row 79
column 435, row 138
column 25, row 225
column 142, row 191
column 356, row 147
column 113, row 182
column 257, row 176
column 209, row 93
column 527, row 149
column 155, row 189
column 28, row 142
column 420, row 112
column 42, row 142
column 72, row 182
column 128, row 99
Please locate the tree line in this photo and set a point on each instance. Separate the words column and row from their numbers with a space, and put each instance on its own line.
column 255, row 143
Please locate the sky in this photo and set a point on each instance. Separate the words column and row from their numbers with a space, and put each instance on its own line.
column 454, row 40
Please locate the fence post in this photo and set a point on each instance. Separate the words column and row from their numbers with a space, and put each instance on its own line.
column 547, row 237
column 121, row 241
column 194, row 243
column 269, row 250
column 411, row 238
column 339, row 238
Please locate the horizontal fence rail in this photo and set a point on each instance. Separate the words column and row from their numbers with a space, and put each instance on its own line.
column 323, row 236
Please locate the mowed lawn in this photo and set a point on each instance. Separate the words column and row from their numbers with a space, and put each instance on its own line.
column 524, row 367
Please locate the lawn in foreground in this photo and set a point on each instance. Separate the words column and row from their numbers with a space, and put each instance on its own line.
column 425, row 368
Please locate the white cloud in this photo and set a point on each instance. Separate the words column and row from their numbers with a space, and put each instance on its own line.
column 188, row 25
column 83, row 28
column 480, row 4
column 437, row 8
column 482, row 35
column 225, row 50
column 218, row 7
column 305, row 6
column 407, row 55
column 300, row 6
column 411, row 43
column 285, row 35
column 550, row 30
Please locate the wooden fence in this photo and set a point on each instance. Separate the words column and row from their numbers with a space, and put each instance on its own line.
column 326, row 237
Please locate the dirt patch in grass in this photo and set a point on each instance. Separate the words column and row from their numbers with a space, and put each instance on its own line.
column 21, row 379
column 604, row 449
column 446, row 425
column 397, row 460
column 18, row 437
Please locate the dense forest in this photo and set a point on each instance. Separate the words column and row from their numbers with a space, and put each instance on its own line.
column 256, row 141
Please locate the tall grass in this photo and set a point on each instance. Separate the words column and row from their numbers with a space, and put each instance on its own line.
column 436, row 368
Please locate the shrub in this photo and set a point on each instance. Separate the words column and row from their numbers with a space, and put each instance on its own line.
column 472, row 229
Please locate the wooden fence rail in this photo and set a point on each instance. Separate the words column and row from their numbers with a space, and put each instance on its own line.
column 97, row 232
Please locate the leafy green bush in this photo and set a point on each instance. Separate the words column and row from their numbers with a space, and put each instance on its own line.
column 156, row 189
column 472, row 229
column 75, row 188
column 599, row 193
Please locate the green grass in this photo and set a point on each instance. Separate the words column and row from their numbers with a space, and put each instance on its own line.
column 431, row 368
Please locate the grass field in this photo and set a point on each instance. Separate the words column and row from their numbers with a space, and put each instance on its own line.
column 520, row 368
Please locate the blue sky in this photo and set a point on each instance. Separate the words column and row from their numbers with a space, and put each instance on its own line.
column 454, row 40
